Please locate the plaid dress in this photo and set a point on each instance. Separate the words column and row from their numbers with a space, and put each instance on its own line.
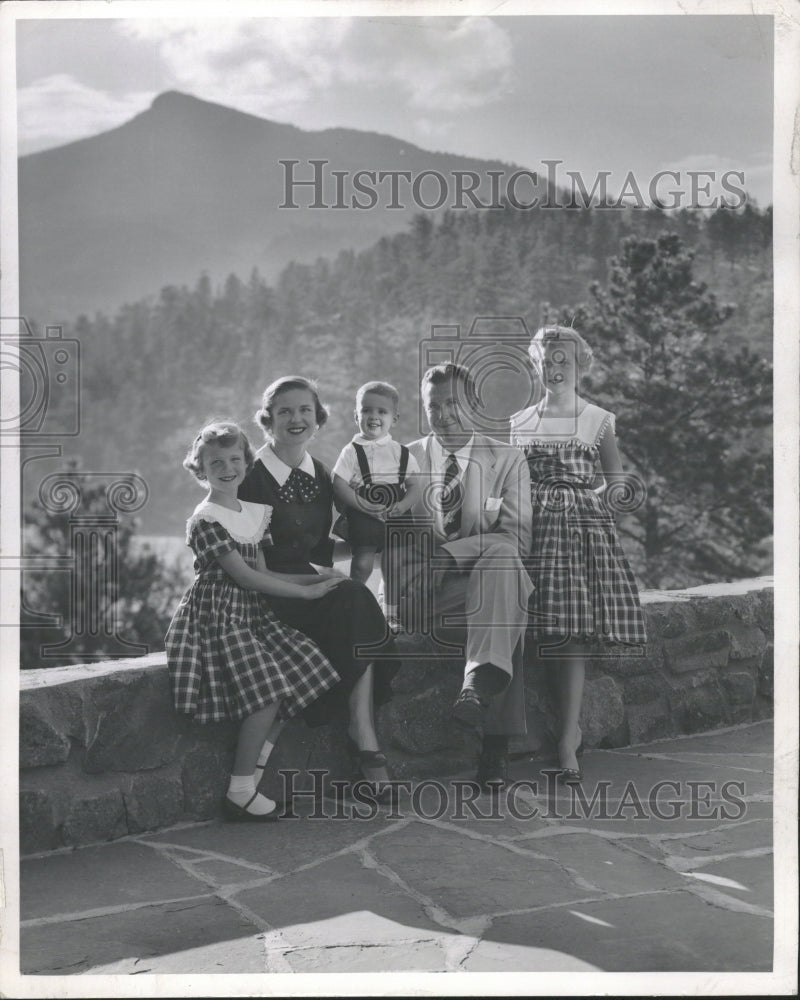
column 584, row 585
column 228, row 654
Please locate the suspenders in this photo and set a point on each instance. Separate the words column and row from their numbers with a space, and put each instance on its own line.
column 363, row 464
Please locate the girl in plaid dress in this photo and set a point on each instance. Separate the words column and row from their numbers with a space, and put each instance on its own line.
column 229, row 656
column 585, row 589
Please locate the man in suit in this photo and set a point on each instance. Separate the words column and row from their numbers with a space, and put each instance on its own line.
column 476, row 513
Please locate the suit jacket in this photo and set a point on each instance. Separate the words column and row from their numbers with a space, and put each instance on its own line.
column 497, row 498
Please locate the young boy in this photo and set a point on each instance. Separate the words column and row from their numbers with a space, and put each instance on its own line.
column 374, row 478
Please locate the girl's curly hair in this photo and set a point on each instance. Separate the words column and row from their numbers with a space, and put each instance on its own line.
column 222, row 432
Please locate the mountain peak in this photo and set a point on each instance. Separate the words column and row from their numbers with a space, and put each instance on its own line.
column 171, row 99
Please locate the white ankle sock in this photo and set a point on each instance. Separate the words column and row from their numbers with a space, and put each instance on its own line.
column 242, row 788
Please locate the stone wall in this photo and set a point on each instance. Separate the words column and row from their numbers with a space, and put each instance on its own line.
column 102, row 754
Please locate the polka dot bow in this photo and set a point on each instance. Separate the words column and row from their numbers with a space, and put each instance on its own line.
column 299, row 488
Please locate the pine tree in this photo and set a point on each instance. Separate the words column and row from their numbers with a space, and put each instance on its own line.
column 138, row 600
column 691, row 408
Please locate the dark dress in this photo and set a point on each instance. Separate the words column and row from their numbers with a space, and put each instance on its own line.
column 345, row 619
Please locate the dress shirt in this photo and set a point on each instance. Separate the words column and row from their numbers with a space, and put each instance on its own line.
column 439, row 457
column 383, row 458
column 279, row 469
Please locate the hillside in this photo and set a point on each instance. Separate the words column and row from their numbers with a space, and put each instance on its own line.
column 188, row 187
column 156, row 369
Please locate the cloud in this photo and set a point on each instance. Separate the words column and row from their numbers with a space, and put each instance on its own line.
column 279, row 66
column 440, row 63
column 58, row 109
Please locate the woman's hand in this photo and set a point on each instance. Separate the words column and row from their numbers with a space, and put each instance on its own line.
column 330, row 573
column 317, row 590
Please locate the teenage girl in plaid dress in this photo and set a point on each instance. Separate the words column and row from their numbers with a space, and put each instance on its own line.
column 585, row 589
column 229, row 656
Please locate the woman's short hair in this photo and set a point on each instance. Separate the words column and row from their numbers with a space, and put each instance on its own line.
column 549, row 334
column 263, row 416
column 384, row 389
column 450, row 371
column 225, row 433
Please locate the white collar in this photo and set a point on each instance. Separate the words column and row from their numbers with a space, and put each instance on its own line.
column 377, row 442
column 245, row 525
column 278, row 468
column 462, row 454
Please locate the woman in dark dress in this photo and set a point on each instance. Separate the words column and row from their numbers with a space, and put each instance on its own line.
column 299, row 490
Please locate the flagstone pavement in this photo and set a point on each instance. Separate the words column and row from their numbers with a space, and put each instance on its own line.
column 665, row 864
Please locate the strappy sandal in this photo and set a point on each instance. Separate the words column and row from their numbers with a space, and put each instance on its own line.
column 573, row 775
column 241, row 814
column 365, row 760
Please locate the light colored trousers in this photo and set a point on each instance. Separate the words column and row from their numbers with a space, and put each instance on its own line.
column 482, row 609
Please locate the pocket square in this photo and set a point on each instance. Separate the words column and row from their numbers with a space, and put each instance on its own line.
column 493, row 503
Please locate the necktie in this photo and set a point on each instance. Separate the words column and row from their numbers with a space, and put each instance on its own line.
column 452, row 498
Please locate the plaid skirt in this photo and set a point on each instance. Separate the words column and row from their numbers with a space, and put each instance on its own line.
column 229, row 656
column 584, row 585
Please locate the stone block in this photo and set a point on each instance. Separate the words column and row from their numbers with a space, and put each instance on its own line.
column 95, row 812
column 765, row 612
column 541, row 718
column 38, row 820
column 623, row 661
column 302, row 749
column 740, row 687
column 131, row 723
column 766, row 673
column 698, row 650
column 602, row 712
column 153, row 799
column 421, row 665
column 748, row 643
column 414, row 676
column 649, row 721
column 204, row 776
column 695, row 679
column 700, row 708
column 643, row 689
column 421, row 724
column 41, row 741
column 670, row 619
column 724, row 609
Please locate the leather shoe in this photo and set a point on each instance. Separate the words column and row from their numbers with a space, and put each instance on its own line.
column 469, row 709
column 241, row 814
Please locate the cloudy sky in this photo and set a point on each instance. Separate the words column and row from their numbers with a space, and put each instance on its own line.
column 599, row 93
